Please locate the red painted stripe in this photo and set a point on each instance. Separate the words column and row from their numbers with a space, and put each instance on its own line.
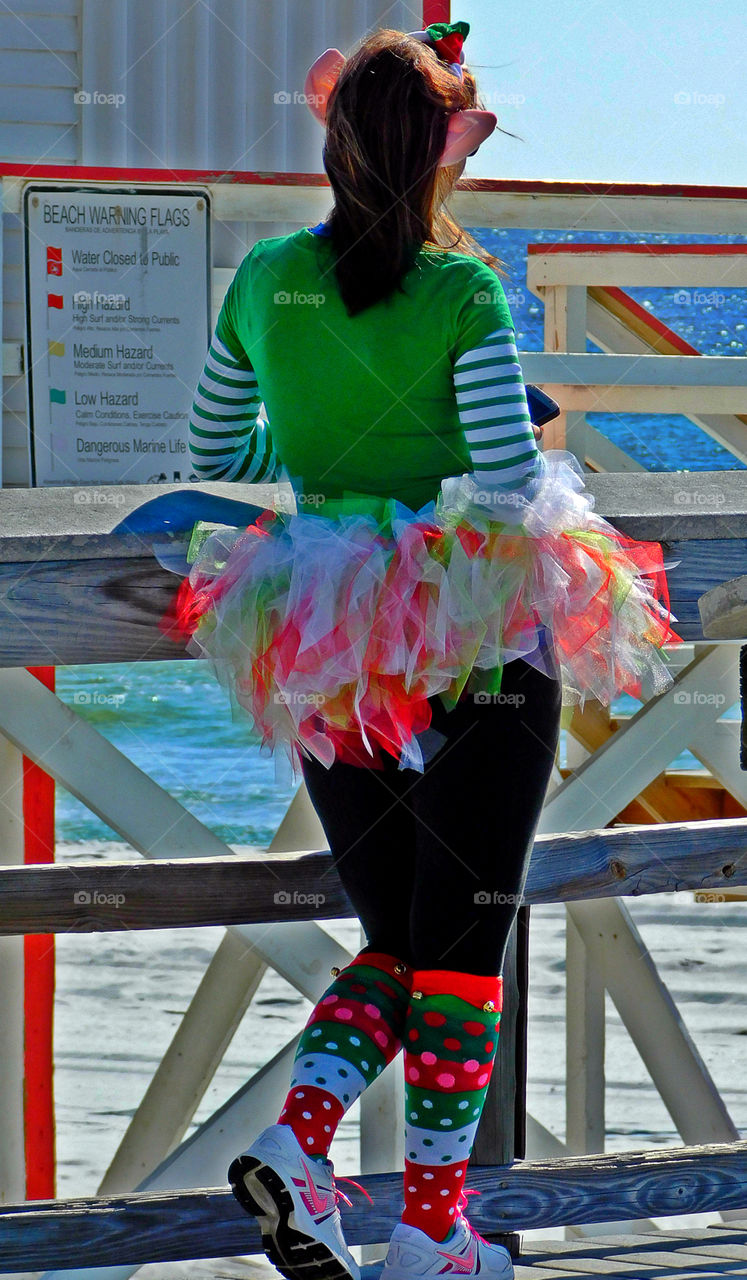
column 167, row 177
column 653, row 322
column 39, row 978
column 436, row 11
column 73, row 173
column 654, row 250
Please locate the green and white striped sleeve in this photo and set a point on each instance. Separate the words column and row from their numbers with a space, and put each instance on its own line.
column 493, row 410
column 227, row 439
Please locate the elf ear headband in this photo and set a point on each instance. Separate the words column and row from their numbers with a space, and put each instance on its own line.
column 466, row 130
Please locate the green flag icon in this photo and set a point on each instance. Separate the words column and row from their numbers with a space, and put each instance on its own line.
column 56, row 396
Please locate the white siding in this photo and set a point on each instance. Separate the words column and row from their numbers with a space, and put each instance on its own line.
column 198, row 81
column 39, row 123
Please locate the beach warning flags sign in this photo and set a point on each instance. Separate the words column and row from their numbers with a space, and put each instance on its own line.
column 54, row 261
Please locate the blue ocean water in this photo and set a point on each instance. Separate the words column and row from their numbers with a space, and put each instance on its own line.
column 172, row 719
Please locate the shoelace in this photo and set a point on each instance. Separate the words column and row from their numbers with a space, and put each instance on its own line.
column 462, row 1203
column 341, row 1194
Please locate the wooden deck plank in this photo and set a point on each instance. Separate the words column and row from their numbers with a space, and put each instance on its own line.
column 691, row 1236
column 587, row 1265
column 736, row 1252
column 542, row 1259
column 550, row 1272
column 545, row 1260
column 667, row 1258
column 677, row 1254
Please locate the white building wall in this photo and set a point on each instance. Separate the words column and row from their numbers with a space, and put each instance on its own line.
column 198, row 82
column 39, row 123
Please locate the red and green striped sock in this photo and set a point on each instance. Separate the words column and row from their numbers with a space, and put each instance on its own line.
column 353, row 1032
column 450, row 1042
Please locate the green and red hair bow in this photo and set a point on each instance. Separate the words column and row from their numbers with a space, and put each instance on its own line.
column 447, row 39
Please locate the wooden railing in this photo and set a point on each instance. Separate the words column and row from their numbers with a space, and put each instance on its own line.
column 91, row 897
column 169, row 1225
column 135, row 1229
column 72, row 592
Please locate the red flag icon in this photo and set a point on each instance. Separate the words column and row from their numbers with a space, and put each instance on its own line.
column 54, row 300
column 54, row 261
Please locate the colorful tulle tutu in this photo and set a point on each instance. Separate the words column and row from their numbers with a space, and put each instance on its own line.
column 333, row 630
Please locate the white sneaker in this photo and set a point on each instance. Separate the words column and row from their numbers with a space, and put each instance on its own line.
column 295, row 1200
column 413, row 1254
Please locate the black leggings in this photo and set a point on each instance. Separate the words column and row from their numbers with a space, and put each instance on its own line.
column 434, row 864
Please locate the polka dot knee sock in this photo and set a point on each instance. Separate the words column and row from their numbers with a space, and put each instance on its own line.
column 353, row 1032
column 450, row 1041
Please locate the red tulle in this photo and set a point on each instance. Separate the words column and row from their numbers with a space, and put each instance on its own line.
column 334, row 633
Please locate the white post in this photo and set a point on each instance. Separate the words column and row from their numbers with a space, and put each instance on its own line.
column 565, row 330
column 584, row 1040
column 12, row 1155
column 624, row 965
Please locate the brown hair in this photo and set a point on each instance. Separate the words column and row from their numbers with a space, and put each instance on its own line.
column 386, row 123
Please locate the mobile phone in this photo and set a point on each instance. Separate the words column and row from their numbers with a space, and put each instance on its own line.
column 542, row 408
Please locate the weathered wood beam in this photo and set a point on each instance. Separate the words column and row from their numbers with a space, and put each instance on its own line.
column 71, row 591
column 723, row 610
column 39, row 523
column 675, row 796
column 149, row 1227
column 165, row 894
column 107, row 609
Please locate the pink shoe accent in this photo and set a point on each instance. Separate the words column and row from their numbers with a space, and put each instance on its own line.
column 464, row 1263
column 315, row 1203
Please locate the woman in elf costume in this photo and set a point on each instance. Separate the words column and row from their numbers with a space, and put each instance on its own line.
column 409, row 633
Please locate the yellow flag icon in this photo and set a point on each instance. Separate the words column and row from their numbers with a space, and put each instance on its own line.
column 56, row 348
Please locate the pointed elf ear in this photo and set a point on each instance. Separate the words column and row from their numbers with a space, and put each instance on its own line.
column 321, row 79
column 467, row 130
